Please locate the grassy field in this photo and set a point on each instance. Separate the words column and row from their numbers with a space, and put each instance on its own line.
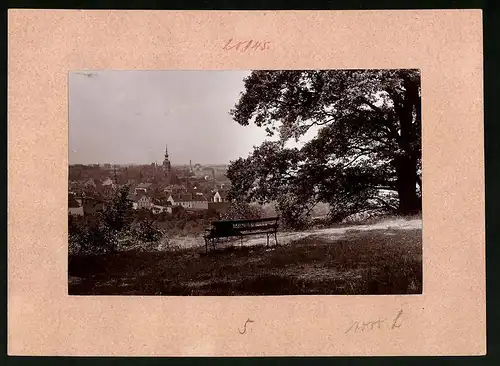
column 359, row 262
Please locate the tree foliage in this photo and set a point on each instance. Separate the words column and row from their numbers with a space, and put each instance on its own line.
column 366, row 154
column 118, row 214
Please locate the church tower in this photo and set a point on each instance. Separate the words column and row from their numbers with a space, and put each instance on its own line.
column 167, row 168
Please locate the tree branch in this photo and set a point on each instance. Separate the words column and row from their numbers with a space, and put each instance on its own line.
column 372, row 106
column 388, row 188
column 312, row 207
column 355, row 158
column 392, row 132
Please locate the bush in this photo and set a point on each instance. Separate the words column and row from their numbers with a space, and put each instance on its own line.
column 162, row 217
column 147, row 231
column 293, row 214
column 242, row 211
column 100, row 232
column 91, row 235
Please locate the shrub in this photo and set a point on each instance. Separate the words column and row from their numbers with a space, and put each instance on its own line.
column 147, row 231
column 294, row 214
column 91, row 235
column 99, row 232
column 241, row 211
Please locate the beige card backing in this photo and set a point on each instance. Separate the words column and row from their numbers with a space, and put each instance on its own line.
column 448, row 319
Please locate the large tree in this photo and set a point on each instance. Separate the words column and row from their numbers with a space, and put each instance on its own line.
column 367, row 142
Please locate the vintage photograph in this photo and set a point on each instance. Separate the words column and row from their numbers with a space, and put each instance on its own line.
column 245, row 182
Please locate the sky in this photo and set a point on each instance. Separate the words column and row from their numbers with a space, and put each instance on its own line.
column 124, row 117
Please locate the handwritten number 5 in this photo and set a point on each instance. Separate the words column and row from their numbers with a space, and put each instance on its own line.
column 245, row 326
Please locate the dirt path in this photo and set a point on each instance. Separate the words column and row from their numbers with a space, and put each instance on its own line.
column 327, row 233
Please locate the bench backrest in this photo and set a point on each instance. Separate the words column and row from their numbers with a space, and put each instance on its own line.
column 230, row 226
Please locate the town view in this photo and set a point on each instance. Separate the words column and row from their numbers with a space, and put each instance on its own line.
column 155, row 188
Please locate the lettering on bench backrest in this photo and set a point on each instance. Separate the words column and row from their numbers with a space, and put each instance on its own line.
column 247, row 225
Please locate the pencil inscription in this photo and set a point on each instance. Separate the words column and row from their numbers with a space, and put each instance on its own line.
column 366, row 326
column 246, row 45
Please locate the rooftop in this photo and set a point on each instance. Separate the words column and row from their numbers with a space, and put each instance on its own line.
column 72, row 202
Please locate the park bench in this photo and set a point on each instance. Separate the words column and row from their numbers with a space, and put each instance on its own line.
column 240, row 228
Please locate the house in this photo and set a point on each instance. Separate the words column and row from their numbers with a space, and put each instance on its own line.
column 157, row 209
column 140, row 202
column 74, row 207
column 179, row 200
column 143, row 188
column 89, row 183
column 108, row 182
column 76, row 192
column 219, row 196
column 172, row 200
column 92, row 204
column 78, row 198
column 174, row 188
column 197, row 202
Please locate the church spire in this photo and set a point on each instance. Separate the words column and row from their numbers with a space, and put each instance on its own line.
column 166, row 163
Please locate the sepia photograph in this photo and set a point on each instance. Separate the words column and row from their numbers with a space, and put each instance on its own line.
column 245, row 182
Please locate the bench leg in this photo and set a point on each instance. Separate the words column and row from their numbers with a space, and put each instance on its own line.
column 267, row 235
column 276, row 237
column 241, row 240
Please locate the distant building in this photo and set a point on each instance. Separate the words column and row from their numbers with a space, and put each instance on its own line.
column 189, row 201
column 169, row 175
column 174, row 188
column 92, row 204
column 199, row 202
column 107, row 182
column 140, row 202
column 74, row 207
column 157, row 209
column 143, row 188
column 220, row 196
column 89, row 183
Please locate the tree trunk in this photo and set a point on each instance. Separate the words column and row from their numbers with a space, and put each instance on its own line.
column 406, row 165
column 409, row 201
